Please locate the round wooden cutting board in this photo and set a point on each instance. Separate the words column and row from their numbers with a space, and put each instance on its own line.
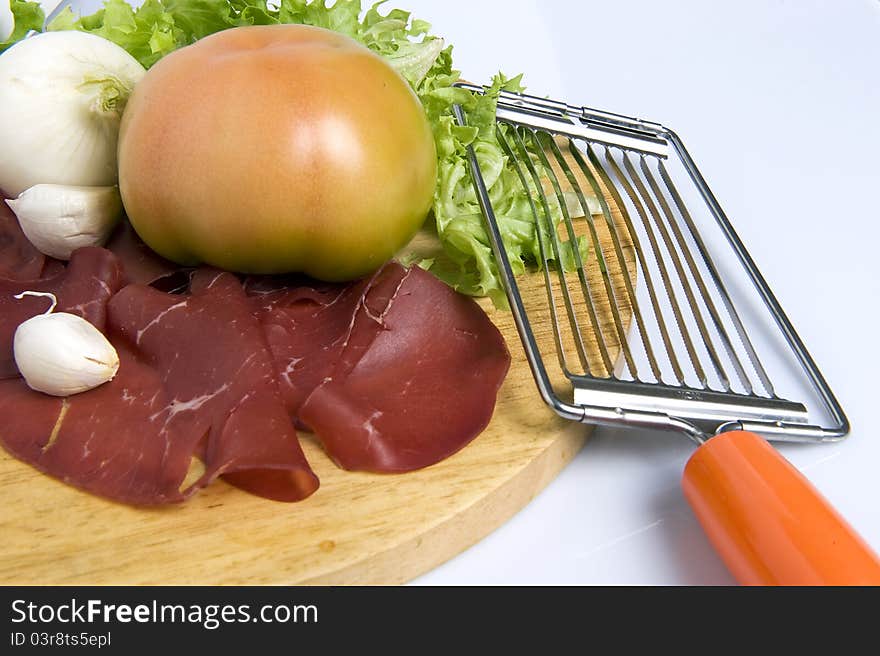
column 356, row 529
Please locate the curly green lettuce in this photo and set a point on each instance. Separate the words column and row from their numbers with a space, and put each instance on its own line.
column 26, row 17
column 159, row 27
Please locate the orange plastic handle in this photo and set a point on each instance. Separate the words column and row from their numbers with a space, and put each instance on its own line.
column 767, row 522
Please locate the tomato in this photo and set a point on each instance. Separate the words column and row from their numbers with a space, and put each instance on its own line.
column 273, row 149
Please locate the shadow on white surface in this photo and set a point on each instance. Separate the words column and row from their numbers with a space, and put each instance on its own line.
column 692, row 559
column 656, row 542
column 670, row 546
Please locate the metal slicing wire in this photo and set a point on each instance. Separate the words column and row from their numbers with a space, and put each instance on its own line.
column 585, row 286
column 648, row 278
column 618, row 251
column 576, row 255
column 557, row 251
column 716, row 279
column 697, row 278
column 531, row 349
column 787, row 420
column 661, row 265
column 557, row 332
column 679, row 269
column 691, row 297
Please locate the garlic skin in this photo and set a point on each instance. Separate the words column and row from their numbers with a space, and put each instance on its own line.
column 62, row 354
column 58, row 219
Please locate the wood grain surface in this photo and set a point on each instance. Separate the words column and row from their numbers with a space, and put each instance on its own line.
column 357, row 528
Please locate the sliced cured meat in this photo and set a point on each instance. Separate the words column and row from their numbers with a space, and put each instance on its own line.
column 52, row 267
column 195, row 379
column 218, row 373
column 114, row 440
column 351, row 369
column 305, row 327
column 19, row 259
column 139, row 262
column 415, row 378
column 83, row 288
column 392, row 373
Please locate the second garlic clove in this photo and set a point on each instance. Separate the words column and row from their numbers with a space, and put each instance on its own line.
column 58, row 219
column 63, row 354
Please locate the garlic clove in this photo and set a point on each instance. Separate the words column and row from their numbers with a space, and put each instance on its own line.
column 58, row 219
column 63, row 354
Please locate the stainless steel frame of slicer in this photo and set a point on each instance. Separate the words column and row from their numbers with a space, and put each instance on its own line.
column 696, row 411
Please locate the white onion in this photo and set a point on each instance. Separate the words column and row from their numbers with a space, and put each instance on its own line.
column 61, row 99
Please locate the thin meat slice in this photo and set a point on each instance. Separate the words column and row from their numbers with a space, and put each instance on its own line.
column 19, row 259
column 52, row 267
column 218, row 373
column 195, row 379
column 114, row 441
column 83, row 288
column 305, row 327
column 415, row 380
column 140, row 263
column 289, row 288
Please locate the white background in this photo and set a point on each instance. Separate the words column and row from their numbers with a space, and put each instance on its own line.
column 779, row 103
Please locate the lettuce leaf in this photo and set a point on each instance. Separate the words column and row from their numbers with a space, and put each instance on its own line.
column 457, row 214
column 27, row 17
column 159, row 27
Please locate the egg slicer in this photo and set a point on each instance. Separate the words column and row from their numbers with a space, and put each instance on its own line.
column 666, row 323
